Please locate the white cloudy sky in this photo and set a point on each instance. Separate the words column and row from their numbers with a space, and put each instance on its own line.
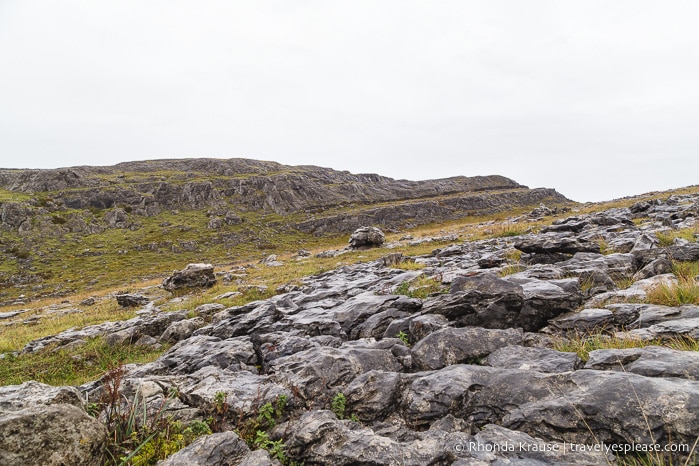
column 598, row 99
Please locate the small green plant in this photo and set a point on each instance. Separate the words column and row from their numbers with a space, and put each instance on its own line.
column 219, row 411
column 254, row 431
column 93, row 409
column 338, row 405
column 604, row 247
column 402, row 336
column 403, row 288
column 139, row 434
column 266, row 414
column 275, row 448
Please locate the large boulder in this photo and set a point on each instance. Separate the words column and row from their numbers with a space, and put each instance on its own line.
column 44, row 425
column 590, row 406
column 193, row 276
column 366, row 237
column 58, row 434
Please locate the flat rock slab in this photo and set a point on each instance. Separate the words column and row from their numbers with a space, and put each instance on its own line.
column 677, row 328
column 552, row 243
column 585, row 321
column 195, row 353
column 459, row 345
column 535, row 359
column 627, row 401
column 651, row 361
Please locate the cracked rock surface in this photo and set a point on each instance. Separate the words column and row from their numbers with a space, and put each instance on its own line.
column 455, row 378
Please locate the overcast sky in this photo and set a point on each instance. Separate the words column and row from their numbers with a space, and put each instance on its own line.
column 598, row 99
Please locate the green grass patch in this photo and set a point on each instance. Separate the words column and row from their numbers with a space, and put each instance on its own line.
column 11, row 196
column 14, row 337
column 409, row 265
column 683, row 292
column 511, row 269
column 583, row 344
column 686, row 270
column 667, row 238
column 74, row 367
column 507, row 230
column 421, row 287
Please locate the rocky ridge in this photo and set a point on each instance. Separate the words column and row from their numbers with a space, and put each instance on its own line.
column 243, row 185
column 465, row 376
column 209, row 210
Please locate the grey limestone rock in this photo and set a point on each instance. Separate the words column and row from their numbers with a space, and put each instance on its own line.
column 197, row 352
column 319, row 370
column 220, row 449
column 629, row 402
column 659, row 266
column 32, row 393
column 131, row 299
column 367, row 237
column 45, row 425
column 181, row 330
column 459, row 345
column 553, row 243
column 53, row 435
column 535, row 359
column 651, row 361
column 192, row 276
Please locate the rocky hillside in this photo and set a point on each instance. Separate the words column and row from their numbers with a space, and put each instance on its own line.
column 86, row 219
column 458, row 357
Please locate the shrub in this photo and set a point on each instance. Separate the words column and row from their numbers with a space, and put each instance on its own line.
column 338, row 405
column 402, row 336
